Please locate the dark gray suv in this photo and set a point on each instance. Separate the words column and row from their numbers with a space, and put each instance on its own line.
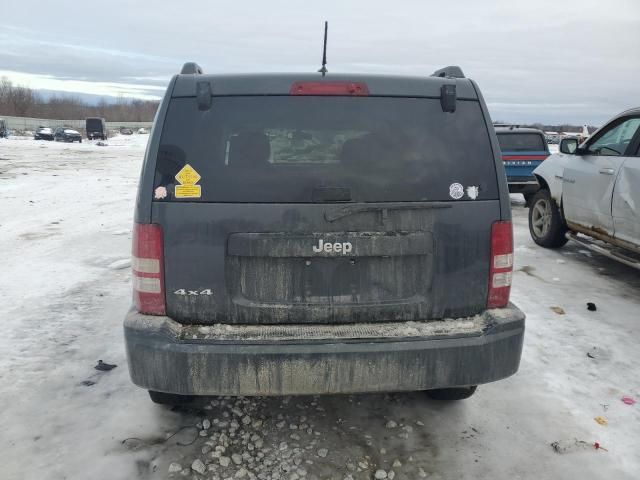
column 308, row 234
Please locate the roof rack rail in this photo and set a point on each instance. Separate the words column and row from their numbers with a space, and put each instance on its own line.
column 452, row 71
column 191, row 68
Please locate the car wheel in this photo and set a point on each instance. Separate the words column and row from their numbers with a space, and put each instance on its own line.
column 80, row 141
column 457, row 393
column 546, row 225
column 162, row 398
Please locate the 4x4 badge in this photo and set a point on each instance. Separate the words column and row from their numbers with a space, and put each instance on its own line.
column 193, row 293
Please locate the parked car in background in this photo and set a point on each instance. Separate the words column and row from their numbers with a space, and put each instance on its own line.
column 4, row 129
column 64, row 134
column 43, row 133
column 96, row 128
column 308, row 234
column 590, row 193
column 523, row 149
column 125, row 131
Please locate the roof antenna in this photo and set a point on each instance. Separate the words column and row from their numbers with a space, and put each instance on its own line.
column 324, row 70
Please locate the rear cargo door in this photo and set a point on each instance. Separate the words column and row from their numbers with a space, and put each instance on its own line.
column 324, row 209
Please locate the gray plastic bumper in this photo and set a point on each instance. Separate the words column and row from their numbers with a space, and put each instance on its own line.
column 315, row 359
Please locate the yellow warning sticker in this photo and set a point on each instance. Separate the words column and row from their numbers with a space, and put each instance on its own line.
column 188, row 178
column 188, row 191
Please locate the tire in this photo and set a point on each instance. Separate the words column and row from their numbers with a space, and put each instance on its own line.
column 458, row 393
column 80, row 141
column 527, row 199
column 162, row 398
column 546, row 224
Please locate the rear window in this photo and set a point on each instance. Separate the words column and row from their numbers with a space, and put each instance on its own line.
column 521, row 142
column 94, row 123
column 289, row 148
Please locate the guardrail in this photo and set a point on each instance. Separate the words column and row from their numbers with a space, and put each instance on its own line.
column 26, row 123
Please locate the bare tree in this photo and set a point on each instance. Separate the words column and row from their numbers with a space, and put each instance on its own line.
column 22, row 99
column 5, row 94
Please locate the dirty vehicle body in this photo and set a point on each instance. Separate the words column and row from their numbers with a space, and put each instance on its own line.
column 523, row 149
column 590, row 192
column 299, row 234
column 96, row 128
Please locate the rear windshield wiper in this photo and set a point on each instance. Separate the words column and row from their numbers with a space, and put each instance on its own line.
column 333, row 214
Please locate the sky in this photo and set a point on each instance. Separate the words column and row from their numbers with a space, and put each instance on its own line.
column 544, row 61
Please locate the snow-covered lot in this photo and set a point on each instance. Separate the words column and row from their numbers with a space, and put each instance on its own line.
column 65, row 230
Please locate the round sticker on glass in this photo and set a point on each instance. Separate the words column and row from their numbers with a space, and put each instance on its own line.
column 456, row 191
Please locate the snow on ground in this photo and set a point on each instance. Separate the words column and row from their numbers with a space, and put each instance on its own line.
column 65, row 232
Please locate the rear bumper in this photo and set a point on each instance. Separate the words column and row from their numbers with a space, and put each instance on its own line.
column 166, row 356
column 523, row 184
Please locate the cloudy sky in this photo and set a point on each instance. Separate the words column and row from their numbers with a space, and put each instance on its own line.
column 548, row 61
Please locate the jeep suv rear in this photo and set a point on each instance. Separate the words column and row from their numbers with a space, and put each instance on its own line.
column 307, row 234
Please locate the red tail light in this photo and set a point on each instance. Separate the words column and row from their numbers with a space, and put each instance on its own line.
column 148, row 271
column 501, row 268
column 329, row 88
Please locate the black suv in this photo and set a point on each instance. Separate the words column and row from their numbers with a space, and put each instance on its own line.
column 308, row 234
column 96, row 128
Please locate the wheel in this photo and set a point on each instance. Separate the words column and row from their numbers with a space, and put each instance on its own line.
column 546, row 225
column 80, row 141
column 457, row 393
column 169, row 398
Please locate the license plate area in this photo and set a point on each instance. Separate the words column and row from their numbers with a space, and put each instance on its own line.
column 373, row 268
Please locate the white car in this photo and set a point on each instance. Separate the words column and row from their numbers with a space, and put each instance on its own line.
column 590, row 193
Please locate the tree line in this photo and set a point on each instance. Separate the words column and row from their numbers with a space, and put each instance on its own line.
column 21, row 101
column 565, row 127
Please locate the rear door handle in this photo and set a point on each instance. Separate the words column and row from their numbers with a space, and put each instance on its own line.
column 607, row 171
